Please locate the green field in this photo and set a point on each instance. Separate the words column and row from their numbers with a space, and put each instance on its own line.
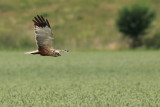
column 80, row 79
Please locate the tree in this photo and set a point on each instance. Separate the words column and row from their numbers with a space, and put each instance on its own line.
column 133, row 22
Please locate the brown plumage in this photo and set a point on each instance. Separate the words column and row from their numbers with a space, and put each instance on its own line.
column 44, row 38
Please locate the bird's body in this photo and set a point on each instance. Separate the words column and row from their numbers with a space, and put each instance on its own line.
column 44, row 38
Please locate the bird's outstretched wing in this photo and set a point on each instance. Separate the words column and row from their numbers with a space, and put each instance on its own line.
column 44, row 35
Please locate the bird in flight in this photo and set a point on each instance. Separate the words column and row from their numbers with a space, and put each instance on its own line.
column 44, row 38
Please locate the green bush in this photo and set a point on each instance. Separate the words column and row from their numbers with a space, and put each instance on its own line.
column 133, row 21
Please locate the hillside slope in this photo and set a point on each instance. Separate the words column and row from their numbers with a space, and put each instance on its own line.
column 77, row 24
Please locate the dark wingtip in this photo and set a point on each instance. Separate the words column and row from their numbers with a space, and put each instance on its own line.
column 40, row 21
column 35, row 23
column 47, row 23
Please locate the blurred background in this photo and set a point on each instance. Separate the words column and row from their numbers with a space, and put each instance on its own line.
column 83, row 24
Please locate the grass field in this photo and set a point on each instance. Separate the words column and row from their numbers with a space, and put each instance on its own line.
column 80, row 79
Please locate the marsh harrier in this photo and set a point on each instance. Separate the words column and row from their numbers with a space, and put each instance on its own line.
column 44, row 38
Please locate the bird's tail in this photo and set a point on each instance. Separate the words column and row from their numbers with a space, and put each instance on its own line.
column 32, row 52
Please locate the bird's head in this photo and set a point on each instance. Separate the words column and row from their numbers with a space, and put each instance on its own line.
column 56, row 53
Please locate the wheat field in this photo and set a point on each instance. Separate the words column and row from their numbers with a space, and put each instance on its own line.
column 80, row 79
